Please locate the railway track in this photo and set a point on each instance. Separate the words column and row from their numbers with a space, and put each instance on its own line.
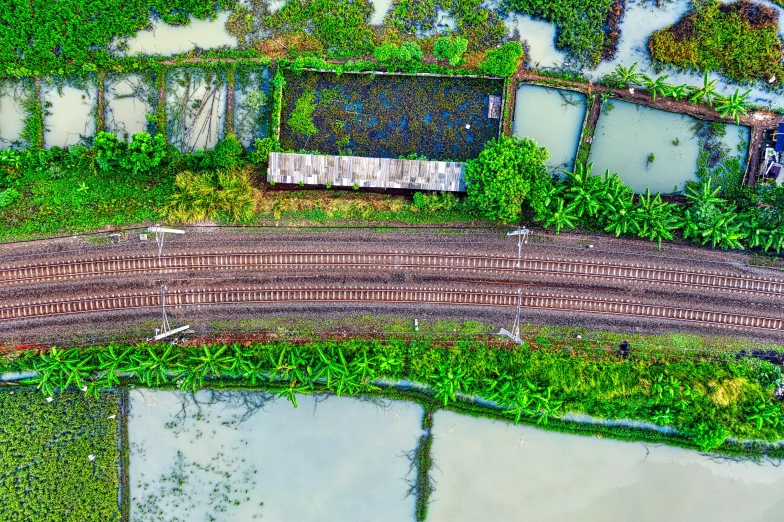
column 394, row 295
column 471, row 264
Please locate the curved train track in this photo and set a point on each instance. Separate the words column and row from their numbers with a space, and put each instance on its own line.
column 414, row 261
column 395, row 295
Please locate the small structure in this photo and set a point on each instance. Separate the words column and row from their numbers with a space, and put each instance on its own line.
column 494, row 107
column 774, row 156
column 349, row 171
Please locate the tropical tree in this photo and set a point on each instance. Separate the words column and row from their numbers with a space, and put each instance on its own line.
column 628, row 75
column 619, row 215
column 154, row 367
column 209, row 362
column 734, row 105
column 584, row 191
column 448, row 380
column 561, row 217
column 506, row 174
column 658, row 86
column 710, row 218
column 677, row 92
column 655, row 218
column 706, row 93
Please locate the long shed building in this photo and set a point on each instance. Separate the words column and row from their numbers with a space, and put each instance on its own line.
column 346, row 171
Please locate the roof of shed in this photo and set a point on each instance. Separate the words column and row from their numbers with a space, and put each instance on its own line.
column 346, row 171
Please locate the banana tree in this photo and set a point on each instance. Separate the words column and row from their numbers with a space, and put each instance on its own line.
column 706, row 93
column 618, row 212
column 627, row 75
column 110, row 363
column 658, row 87
column 763, row 412
column 734, row 105
column 290, row 393
column 561, row 217
column 662, row 416
column 330, row 366
column 655, row 218
column 724, row 231
column 153, row 368
column 584, row 190
column 210, row 362
column 447, row 380
column 677, row 92
column 363, row 370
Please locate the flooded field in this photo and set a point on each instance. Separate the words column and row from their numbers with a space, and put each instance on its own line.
column 70, row 114
column 244, row 457
column 554, row 119
column 12, row 114
column 489, row 470
column 650, row 148
column 164, row 39
column 195, row 108
column 127, row 104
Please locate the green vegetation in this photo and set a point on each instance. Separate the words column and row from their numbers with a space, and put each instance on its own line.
column 738, row 40
column 534, row 383
column 579, row 23
column 388, row 116
column 388, row 53
column 507, row 173
column 503, row 61
column 46, row 473
column 225, row 195
column 450, row 49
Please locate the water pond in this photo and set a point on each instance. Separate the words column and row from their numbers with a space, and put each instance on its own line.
column 12, row 114
column 68, row 114
column 489, row 470
column 540, row 37
column 554, row 119
column 243, row 456
column 128, row 101
column 164, row 39
column 251, row 105
column 195, row 108
column 650, row 148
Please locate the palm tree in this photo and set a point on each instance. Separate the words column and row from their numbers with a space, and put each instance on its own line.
column 734, row 105
column 561, row 217
column 705, row 93
column 658, row 86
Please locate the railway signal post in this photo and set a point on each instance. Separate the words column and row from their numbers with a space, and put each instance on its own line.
column 160, row 233
column 165, row 330
column 515, row 333
column 522, row 237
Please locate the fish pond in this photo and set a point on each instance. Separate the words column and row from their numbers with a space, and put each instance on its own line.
column 245, row 456
column 554, row 119
column 380, row 115
column 654, row 149
column 490, row 470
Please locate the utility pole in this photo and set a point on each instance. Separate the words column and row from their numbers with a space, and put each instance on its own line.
column 522, row 237
column 165, row 330
column 160, row 233
column 515, row 333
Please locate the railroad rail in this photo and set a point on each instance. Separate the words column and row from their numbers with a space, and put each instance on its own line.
column 414, row 261
column 395, row 295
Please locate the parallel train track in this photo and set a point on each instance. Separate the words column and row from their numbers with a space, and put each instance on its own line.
column 395, row 295
column 415, row 261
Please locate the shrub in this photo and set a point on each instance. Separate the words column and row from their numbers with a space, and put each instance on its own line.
column 502, row 61
column 506, row 174
column 213, row 195
column 227, row 152
column 140, row 156
column 452, row 49
column 8, row 197
column 390, row 53
column 436, row 201
column 263, row 149
column 709, row 435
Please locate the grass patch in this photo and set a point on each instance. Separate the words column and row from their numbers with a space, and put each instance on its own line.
column 388, row 115
column 738, row 40
column 45, row 473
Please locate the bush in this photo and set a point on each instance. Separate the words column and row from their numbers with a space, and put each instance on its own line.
column 506, row 174
column 227, row 152
column 140, row 156
column 710, row 435
column 502, row 61
column 390, row 53
column 8, row 197
column 436, row 201
column 214, row 195
column 447, row 48
column 263, row 149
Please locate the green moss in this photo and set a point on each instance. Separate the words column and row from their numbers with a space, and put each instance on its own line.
column 738, row 40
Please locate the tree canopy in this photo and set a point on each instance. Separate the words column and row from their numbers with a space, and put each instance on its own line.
column 506, row 174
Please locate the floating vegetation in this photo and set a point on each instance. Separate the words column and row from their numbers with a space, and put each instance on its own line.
column 59, row 458
column 441, row 118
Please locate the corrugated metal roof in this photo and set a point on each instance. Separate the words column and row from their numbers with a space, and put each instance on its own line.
column 345, row 171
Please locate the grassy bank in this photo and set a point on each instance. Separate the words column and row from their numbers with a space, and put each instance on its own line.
column 706, row 398
column 45, row 470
